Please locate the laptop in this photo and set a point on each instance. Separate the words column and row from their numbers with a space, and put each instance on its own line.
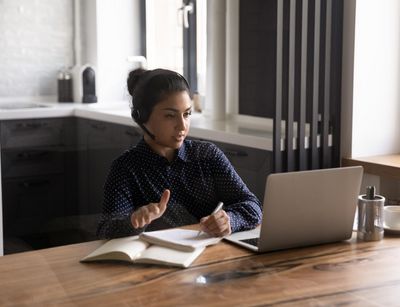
column 305, row 208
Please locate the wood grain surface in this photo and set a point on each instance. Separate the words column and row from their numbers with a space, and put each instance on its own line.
column 347, row 273
column 385, row 165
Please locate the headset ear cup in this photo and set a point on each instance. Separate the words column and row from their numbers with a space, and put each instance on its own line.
column 140, row 116
column 135, row 115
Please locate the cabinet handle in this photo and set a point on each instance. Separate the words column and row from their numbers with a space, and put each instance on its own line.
column 32, row 125
column 26, row 155
column 235, row 153
column 34, row 183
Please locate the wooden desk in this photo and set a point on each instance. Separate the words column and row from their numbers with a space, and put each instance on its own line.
column 385, row 165
column 345, row 273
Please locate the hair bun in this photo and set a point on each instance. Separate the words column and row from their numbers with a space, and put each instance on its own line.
column 133, row 79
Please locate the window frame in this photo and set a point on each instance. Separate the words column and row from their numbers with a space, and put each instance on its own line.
column 189, row 37
column 190, row 46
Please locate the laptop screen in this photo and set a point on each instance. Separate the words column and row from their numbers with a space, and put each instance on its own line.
column 306, row 208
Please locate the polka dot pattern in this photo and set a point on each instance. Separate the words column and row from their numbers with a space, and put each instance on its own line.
column 199, row 177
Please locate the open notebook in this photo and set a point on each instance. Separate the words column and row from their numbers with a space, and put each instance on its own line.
column 132, row 249
column 176, row 247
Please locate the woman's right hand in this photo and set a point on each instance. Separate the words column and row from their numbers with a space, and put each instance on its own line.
column 146, row 214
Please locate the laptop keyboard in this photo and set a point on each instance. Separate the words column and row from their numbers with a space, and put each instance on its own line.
column 251, row 241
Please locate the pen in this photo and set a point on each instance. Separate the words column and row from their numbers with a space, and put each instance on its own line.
column 217, row 208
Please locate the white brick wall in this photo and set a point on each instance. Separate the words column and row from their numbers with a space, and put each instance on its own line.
column 36, row 40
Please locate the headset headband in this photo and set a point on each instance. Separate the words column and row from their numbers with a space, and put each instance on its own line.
column 148, row 75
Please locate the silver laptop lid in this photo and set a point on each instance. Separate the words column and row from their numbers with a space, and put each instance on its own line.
column 309, row 207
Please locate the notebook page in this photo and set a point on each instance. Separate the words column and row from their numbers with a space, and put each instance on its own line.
column 165, row 255
column 130, row 246
column 180, row 238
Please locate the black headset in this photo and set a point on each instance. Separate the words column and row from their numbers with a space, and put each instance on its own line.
column 141, row 115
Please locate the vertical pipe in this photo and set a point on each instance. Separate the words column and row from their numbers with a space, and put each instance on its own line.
column 77, row 33
column 278, row 102
column 232, row 57
column 327, row 89
column 303, row 88
column 345, row 99
column 338, row 51
column 315, row 115
column 143, row 46
column 290, row 108
column 215, row 91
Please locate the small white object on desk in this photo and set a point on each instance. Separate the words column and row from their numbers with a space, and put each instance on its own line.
column 391, row 219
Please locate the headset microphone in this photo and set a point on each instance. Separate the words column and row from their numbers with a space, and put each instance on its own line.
column 147, row 131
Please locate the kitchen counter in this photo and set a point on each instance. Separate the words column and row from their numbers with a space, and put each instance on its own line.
column 223, row 131
column 227, row 131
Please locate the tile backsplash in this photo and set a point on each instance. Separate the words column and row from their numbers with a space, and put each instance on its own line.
column 36, row 40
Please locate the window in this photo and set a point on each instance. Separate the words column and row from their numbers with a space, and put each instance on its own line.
column 176, row 38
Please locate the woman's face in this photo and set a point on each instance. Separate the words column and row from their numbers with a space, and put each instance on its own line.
column 169, row 122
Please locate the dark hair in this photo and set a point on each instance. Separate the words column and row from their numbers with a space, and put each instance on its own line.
column 149, row 87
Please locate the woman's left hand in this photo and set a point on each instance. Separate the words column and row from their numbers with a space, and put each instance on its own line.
column 217, row 224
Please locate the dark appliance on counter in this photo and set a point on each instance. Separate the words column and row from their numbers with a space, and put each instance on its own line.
column 84, row 80
column 89, row 85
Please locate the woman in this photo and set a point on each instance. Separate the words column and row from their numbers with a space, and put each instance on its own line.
column 165, row 180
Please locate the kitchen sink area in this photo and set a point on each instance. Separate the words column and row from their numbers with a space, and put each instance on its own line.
column 19, row 109
column 21, row 105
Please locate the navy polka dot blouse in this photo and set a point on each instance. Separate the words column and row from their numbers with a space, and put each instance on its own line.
column 199, row 177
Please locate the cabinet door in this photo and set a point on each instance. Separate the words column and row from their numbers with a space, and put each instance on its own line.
column 103, row 146
column 29, row 161
column 32, row 179
column 31, row 203
column 253, row 165
column 32, row 132
column 71, row 175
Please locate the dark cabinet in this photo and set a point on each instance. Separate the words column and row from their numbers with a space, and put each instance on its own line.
column 253, row 165
column 31, row 204
column 103, row 142
column 27, row 161
column 53, row 173
column 33, row 168
column 97, row 144
column 32, row 133
column 95, row 160
column 54, row 170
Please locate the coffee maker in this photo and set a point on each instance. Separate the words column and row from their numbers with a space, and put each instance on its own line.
column 84, row 84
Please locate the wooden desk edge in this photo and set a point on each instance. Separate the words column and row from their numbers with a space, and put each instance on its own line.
column 376, row 165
